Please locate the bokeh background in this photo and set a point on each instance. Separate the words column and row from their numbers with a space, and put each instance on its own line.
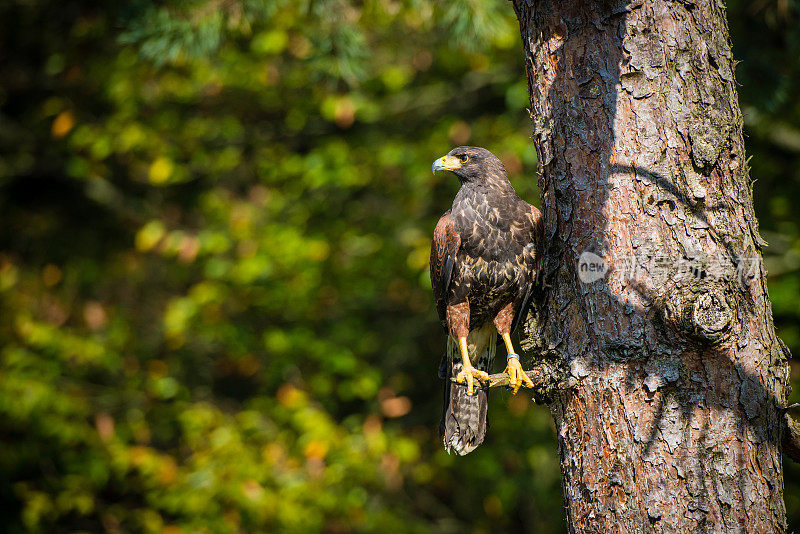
column 215, row 220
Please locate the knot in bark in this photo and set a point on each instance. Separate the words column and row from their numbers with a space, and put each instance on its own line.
column 711, row 316
column 701, row 313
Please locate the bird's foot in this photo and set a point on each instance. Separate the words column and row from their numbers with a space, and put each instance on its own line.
column 468, row 375
column 516, row 375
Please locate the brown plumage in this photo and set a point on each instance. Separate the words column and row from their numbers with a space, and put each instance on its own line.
column 482, row 269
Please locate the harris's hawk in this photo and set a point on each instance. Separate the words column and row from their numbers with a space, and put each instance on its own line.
column 482, row 269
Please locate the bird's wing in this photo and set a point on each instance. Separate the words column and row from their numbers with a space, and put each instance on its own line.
column 530, row 254
column 444, row 248
column 522, row 311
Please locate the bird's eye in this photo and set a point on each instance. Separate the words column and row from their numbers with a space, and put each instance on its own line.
column 463, row 158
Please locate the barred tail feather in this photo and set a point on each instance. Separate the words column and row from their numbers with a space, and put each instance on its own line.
column 464, row 424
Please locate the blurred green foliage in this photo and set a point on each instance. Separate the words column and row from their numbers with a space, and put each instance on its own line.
column 215, row 220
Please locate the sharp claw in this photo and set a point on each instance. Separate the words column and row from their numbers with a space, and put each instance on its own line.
column 525, row 379
column 468, row 377
column 528, row 381
column 516, row 375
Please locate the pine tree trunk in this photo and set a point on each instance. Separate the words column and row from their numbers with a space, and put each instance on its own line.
column 675, row 425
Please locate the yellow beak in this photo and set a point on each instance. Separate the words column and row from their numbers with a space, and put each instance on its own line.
column 446, row 163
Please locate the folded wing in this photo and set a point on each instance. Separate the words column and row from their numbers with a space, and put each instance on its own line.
column 444, row 248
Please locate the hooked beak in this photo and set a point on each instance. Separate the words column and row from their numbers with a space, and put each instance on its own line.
column 446, row 163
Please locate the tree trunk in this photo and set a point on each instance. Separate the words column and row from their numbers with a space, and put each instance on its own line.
column 675, row 424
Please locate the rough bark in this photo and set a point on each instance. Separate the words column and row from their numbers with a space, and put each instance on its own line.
column 675, row 425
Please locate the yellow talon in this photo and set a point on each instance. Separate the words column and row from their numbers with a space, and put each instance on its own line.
column 468, row 375
column 516, row 375
column 468, row 372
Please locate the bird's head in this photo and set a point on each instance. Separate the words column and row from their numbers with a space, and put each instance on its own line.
column 471, row 164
